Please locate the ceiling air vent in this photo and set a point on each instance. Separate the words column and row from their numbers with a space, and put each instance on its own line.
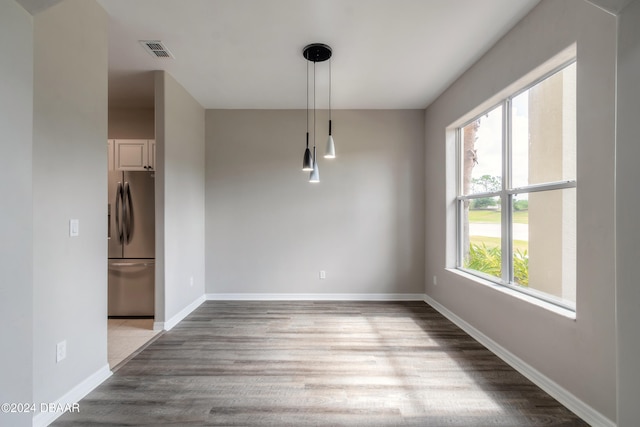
column 156, row 49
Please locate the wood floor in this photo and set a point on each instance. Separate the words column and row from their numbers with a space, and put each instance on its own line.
column 317, row 364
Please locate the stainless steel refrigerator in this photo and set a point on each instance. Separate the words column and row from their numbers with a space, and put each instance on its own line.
column 131, row 235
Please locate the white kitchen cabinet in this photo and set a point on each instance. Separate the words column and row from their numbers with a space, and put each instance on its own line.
column 135, row 154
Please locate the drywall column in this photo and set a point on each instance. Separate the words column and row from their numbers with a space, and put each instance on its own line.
column 16, row 218
column 69, row 181
column 627, row 208
column 159, row 113
column 179, row 201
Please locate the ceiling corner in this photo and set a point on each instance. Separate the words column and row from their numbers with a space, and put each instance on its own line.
column 36, row 6
column 614, row 7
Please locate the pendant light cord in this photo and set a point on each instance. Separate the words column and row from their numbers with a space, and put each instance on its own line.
column 329, row 94
column 307, row 90
column 314, row 110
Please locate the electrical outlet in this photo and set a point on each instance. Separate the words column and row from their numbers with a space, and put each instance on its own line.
column 61, row 351
column 323, row 274
column 191, row 281
column 435, row 280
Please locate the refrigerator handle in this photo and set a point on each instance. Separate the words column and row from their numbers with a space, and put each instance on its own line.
column 128, row 208
column 119, row 219
column 149, row 263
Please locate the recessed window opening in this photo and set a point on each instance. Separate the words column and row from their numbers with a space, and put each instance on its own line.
column 516, row 190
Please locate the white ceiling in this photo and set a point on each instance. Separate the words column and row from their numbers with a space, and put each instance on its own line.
column 387, row 54
column 37, row 6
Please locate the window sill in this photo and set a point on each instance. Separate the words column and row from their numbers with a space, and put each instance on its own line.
column 564, row 312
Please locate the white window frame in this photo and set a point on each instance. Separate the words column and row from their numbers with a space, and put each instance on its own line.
column 506, row 194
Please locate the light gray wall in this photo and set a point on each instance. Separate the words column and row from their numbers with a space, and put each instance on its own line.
column 69, row 181
column 131, row 123
column 179, row 197
column 579, row 355
column 16, row 209
column 159, row 114
column 627, row 208
column 271, row 231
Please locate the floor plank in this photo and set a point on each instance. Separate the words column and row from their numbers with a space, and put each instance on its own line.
column 317, row 364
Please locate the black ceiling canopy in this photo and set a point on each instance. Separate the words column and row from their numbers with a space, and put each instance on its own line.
column 317, row 52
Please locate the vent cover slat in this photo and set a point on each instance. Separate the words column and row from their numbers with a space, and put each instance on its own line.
column 156, row 48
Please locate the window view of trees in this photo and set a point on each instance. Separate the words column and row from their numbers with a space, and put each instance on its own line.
column 519, row 230
column 482, row 181
column 484, row 184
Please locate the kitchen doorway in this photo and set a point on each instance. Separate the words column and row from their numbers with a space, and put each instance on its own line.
column 131, row 231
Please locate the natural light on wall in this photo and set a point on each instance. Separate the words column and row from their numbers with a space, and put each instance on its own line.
column 517, row 190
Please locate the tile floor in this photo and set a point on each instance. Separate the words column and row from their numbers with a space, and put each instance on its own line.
column 126, row 336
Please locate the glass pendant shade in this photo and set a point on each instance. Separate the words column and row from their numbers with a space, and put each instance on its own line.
column 330, row 152
column 307, row 162
column 314, row 176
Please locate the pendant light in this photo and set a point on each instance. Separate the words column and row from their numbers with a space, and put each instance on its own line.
column 307, row 160
column 315, row 52
column 314, row 176
column 330, row 152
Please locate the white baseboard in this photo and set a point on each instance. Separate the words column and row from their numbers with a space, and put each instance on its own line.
column 580, row 408
column 315, row 297
column 43, row 419
column 169, row 324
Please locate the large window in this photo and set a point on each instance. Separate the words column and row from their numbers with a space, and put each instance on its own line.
column 516, row 202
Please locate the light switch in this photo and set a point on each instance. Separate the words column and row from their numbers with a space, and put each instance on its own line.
column 74, row 227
